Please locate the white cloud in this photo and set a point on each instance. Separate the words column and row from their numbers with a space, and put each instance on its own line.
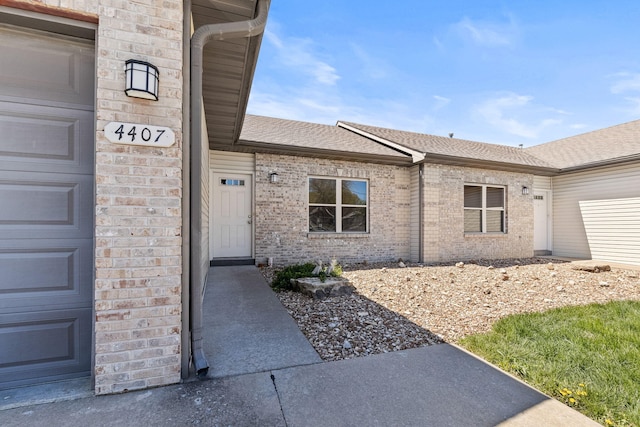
column 441, row 102
column 298, row 55
column 438, row 44
column 487, row 33
column 634, row 109
column 515, row 114
column 627, row 82
column 373, row 67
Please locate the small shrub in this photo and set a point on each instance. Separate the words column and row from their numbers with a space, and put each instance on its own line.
column 282, row 279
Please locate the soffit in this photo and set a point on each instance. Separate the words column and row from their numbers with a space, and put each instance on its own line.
column 228, row 67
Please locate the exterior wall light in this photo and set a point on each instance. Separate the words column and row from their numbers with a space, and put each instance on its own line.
column 141, row 79
column 273, row 177
column 525, row 191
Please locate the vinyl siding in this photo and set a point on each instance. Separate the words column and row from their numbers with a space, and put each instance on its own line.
column 542, row 182
column 204, row 207
column 613, row 229
column 228, row 161
column 569, row 235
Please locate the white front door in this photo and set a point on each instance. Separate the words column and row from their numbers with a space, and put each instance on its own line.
column 541, row 238
column 231, row 222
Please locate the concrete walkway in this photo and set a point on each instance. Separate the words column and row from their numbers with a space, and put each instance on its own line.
column 440, row 385
column 247, row 330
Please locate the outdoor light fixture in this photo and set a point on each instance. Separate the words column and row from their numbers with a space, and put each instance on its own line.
column 525, row 191
column 273, row 177
column 141, row 80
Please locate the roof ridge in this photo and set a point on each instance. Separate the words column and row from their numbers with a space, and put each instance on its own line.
column 433, row 135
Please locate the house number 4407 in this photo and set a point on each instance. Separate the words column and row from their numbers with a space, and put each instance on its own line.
column 138, row 134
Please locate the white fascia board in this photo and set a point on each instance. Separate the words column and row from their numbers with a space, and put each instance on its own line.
column 415, row 155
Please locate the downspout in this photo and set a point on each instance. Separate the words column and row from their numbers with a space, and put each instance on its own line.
column 186, row 188
column 202, row 36
column 420, row 212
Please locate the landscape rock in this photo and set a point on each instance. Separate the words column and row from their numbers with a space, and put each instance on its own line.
column 315, row 288
column 592, row 268
column 444, row 302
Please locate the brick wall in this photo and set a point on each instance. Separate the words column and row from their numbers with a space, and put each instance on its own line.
column 443, row 216
column 138, row 202
column 281, row 222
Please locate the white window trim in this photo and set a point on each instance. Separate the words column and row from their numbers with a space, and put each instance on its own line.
column 484, row 208
column 338, row 206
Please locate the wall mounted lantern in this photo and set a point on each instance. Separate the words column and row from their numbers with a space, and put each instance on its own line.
column 141, row 79
column 273, row 177
column 525, row 191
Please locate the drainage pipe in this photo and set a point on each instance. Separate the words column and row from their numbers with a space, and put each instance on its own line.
column 421, row 213
column 186, row 212
column 202, row 36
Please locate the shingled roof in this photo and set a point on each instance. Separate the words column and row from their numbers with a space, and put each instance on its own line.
column 268, row 134
column 439, row 149
column 604, row 146
column 353, row 141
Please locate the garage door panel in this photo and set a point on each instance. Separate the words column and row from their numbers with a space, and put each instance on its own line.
column 44, row 343
column 47, row 138
column 51, row 274
column 47, row 157
column 56, row 69
column 37, row 205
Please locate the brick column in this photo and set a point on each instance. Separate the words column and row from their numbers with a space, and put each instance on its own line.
column 138, row 203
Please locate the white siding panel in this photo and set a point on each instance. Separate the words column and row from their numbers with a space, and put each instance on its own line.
column 228, row 161
column 414, row 188
column 613, row 229
column 542, row 182
column 204, row 194
column 603, row 187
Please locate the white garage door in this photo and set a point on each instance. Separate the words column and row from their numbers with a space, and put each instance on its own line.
column 46, row 206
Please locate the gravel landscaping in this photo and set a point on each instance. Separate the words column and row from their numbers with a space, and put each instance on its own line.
column 395, row 308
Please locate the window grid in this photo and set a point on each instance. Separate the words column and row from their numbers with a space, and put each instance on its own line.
column 340, row 210
column 484, row 208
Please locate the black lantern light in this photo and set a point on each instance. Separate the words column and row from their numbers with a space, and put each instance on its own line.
column 141, row 79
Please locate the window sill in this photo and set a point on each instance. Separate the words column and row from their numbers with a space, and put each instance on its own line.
column 338, row 235
column 501, row 235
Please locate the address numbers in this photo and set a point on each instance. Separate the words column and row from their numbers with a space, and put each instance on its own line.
column 137, row 134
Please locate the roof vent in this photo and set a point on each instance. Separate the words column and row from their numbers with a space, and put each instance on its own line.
column 451, row 135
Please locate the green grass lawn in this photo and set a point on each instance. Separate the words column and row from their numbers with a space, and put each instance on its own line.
column 585, row 356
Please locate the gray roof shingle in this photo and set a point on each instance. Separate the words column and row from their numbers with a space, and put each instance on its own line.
column 609, row 145
column 454, row 147
column 272, row 132
column 618, row 142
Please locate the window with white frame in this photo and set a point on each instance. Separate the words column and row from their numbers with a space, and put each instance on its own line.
column 338, row 205
column 484, row 209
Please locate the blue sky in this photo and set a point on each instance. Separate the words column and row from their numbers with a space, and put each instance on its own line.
column 507, row 72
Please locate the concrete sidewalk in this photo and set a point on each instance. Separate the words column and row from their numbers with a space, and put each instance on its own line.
column 265, row 373
column 439, row 385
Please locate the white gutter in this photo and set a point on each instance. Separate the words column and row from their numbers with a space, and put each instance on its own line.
column 202, row 36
